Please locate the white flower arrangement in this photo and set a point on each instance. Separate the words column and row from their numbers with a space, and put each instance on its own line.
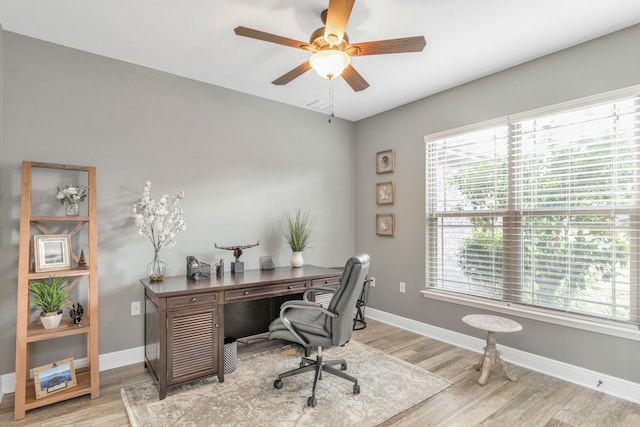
column 72, row 194
column 159, row 221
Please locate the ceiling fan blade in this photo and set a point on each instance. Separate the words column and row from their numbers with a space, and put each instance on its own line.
column 296, row 72
column 268, row 37
column 337, row 18
column 354, row 79
column 406, row 44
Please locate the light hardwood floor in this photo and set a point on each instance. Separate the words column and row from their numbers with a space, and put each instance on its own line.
column 534, row 400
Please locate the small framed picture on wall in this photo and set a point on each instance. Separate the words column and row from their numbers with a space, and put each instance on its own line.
column 385, row 224
column 385, row 161
column 385, row 193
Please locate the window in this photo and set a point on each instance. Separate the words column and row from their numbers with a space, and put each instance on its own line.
column 541, row 211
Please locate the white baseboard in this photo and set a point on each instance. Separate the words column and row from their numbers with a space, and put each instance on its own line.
column 614, row 386
column 106, row 362
column 121, row 358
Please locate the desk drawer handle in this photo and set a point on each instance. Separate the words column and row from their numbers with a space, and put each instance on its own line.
column 216, row 325
column 194, row 299
column 246, row 292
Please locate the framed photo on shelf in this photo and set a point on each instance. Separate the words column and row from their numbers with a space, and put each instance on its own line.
column 385, row 193
column 385, row 161
column 52, row 252
column 385, row 224
column 54, row 377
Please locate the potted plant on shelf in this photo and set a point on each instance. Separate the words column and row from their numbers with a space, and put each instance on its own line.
column 297, row 233
column 50, row 295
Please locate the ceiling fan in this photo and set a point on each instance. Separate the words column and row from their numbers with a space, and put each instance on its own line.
column 331, row 48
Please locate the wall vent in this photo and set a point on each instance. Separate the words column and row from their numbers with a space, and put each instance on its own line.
column 319, row 105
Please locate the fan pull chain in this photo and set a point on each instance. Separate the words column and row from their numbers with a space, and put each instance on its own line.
column 331, row 98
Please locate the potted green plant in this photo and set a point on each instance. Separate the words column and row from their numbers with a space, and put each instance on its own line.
column 50, row 295
column 297, row 233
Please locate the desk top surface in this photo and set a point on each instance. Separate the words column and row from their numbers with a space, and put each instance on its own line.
column 176, row 285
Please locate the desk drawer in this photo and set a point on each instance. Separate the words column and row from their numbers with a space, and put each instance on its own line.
column 326, row 282
column 267, row 291
column 197, row 299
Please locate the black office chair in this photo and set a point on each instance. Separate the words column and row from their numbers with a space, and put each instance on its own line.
column 309, row 324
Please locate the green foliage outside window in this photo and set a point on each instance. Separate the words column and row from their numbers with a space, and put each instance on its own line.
column 594, row 244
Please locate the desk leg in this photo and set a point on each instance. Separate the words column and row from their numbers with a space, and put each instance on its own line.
column 221, row 334
column 162, row 390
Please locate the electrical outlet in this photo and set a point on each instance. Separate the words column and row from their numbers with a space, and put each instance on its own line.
column 403, row 287
column 135, row 308
column 372, row 282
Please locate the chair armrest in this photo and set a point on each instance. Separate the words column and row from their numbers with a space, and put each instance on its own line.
column 306, row 305
column 318, row 289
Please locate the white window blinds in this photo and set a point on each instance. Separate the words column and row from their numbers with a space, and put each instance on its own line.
column 541, row 211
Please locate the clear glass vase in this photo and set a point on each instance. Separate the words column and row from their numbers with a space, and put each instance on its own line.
column 72, row 209
column 156, row 269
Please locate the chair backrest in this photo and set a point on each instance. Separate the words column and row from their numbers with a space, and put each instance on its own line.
column 344, row 300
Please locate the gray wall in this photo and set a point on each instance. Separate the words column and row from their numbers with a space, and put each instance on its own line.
column 604, row 64
column 243, row 162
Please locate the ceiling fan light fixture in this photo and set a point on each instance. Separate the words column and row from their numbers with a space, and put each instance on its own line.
column 329, row 63
column 332, row 39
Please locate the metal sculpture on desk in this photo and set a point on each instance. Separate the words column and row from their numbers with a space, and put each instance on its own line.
column 237, row 266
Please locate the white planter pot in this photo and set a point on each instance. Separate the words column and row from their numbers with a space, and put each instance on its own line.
column 50, row 321
column 296, row 259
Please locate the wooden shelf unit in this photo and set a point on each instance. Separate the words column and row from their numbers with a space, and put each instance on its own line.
column 88, row 378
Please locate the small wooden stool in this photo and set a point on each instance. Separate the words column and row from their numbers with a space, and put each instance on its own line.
column 491, row 356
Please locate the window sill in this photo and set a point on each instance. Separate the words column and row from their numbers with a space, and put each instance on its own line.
column 622, row 331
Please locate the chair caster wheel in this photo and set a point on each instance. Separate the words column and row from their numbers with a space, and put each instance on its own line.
column 356, row 389
column 343, row 366
column 312, row 401
column 277, row 384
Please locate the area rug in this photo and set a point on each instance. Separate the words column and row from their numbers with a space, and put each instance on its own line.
column 247, row 396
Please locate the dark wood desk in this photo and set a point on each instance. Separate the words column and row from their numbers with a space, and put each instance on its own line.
column 185, row 319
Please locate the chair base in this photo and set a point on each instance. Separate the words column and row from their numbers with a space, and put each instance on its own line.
column 319, row 365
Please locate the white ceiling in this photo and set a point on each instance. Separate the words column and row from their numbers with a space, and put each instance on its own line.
column 466, row 39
